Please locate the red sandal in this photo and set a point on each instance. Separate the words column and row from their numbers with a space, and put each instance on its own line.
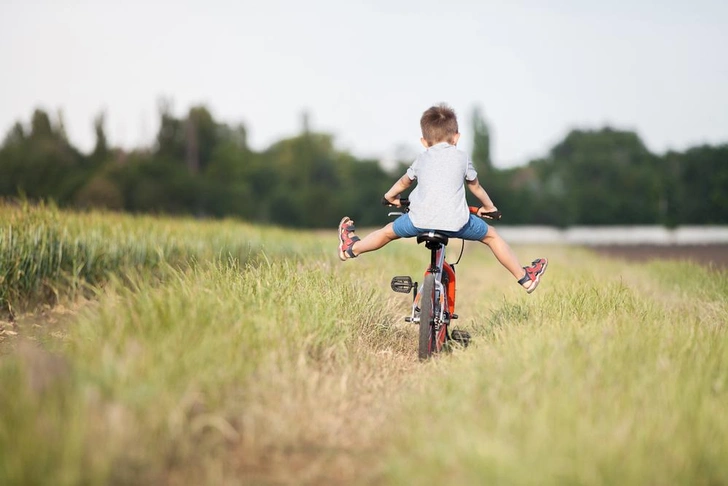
column 346, row 238
column 533, row 274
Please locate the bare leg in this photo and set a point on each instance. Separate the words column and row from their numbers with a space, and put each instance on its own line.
column 375, row 240
column 503, row 253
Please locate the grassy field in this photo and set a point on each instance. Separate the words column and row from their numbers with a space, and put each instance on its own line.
column 189, row 352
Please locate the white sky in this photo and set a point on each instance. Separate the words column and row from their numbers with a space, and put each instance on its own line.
column 365, row 70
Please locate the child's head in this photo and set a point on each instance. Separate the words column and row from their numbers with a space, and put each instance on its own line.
column 439, row 124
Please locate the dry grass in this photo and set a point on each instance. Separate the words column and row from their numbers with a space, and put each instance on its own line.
column 293, row 368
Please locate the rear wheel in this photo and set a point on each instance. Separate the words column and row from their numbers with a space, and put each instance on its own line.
column 427, row 317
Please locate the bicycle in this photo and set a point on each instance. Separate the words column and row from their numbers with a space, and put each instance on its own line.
column 433, row 304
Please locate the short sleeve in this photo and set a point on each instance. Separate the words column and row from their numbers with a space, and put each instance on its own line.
column 412, row 171
column 470, row 173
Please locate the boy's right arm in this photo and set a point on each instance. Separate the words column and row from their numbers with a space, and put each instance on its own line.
column 398, row 188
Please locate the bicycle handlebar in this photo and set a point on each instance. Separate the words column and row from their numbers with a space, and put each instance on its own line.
column 404, row 204
column 490, row 215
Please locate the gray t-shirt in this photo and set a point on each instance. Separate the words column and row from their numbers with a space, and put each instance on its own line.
column 438, row 201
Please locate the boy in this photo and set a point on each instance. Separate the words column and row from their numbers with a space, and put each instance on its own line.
column 438, row 201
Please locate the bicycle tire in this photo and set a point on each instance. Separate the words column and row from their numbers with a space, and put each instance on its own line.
column 427, row 318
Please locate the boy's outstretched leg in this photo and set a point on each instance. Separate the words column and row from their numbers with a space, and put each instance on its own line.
column 351, row 246
column 528, row 277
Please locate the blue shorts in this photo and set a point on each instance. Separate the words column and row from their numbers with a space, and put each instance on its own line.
column 475, row 229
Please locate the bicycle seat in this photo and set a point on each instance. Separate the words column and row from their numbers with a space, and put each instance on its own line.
column 432, row 237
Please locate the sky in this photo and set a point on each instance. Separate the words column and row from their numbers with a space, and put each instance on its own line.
column 366, row 70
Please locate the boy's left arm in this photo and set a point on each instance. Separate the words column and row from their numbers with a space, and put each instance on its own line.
column 478, row 191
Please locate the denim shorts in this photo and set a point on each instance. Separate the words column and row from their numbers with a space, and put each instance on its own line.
column 475, row 229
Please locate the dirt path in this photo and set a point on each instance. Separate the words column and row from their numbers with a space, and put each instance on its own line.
column 709, row 255
column 44, row 324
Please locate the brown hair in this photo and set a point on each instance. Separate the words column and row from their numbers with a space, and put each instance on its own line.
column 439, row 124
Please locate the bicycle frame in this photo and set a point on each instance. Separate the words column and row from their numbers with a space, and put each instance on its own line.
column 433, row 306
column 443, row 296
column 438, row 292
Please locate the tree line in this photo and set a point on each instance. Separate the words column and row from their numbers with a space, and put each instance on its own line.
column 204, row 167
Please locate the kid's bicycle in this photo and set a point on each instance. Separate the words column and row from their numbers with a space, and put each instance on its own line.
column 433, row 302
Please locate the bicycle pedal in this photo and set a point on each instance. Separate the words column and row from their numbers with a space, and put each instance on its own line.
column 402, row 284
column 461, row 337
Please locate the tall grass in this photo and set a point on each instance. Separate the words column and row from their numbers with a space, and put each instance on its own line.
column 288, row 367
column 219, row 370
column 612, row 374
column 45, row 252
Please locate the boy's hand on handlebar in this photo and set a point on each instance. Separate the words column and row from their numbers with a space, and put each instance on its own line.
column 488, row 213
column 396, row 202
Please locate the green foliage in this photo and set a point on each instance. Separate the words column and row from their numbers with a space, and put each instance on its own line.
column 609, row 177
column 481, row 143
column 100, row 192
column 700, row 195
column 101, row 149
column 42, row 164
column 203, row 167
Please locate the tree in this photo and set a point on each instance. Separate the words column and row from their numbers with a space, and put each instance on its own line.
column 15, row 136
column 481, row 142
column 171, row 138
column 101, row 148
column 699, row 188
column 201, row 133
column 40, row 126
column 42, row 164
column 606, row 177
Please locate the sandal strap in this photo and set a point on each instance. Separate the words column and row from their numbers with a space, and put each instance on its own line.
column 525, row 278
column 346, row 230
column 349, row 251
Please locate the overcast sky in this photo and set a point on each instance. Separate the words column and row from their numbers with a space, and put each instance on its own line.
column 365, row 70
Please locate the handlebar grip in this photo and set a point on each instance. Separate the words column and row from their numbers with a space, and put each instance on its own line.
column 492, row 215
column 404, row 202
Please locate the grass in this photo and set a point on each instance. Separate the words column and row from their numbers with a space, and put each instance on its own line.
column 256, row 357
column 46, row 254
column 598, row 380
column 173, row 380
